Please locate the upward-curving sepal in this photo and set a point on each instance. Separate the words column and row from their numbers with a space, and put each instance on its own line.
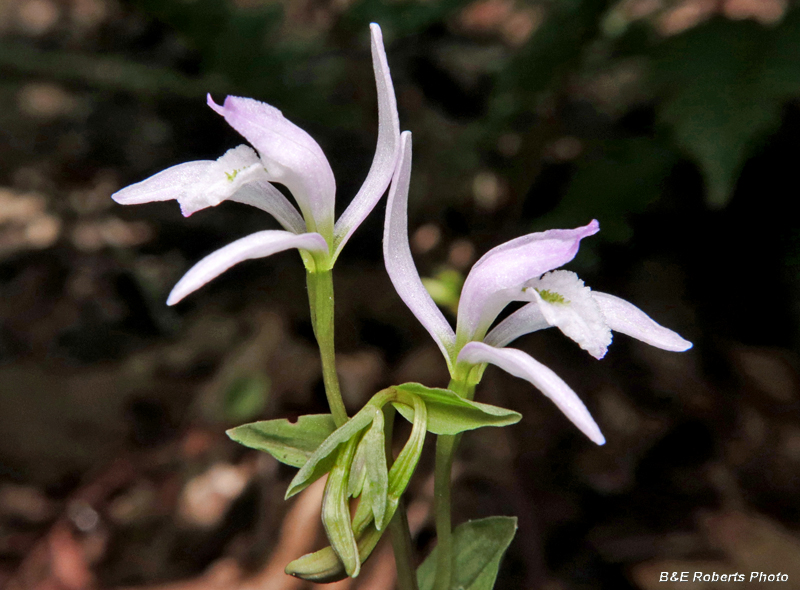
column 400, row 264
column 257, row 245
column 524, row 366
column 383, row 164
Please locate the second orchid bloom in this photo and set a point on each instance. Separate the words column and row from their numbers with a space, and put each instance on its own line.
column 519, row 270
column 286, row 155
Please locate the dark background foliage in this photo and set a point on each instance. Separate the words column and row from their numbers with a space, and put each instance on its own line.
column 675, row 123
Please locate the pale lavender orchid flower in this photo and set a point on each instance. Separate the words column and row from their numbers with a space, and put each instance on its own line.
column 286, row 155
column 519, row 270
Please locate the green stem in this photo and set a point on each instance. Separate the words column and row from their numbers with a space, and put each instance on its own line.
column 320, row 298
column 446, row 446
column 398, row 526
column 403, row 551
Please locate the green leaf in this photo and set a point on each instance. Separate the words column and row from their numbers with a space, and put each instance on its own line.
column 449, row 413
column 246, row 397
column 289, row 443
column 377, row 473
column 321, row 461
column 727, row 82
column 363, row 515
column 358, row 472
column 478, row 546
column 324, row 566
column 336, row 510
column 406, row 462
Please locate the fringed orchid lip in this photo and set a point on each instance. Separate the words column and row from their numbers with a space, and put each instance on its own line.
column 560, row 299
column 519, row 270
column 283, row 154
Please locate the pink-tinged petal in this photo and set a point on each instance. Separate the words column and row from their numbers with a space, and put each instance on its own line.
column 166, row 185
column 383, row 164
column 400, row 264
column 257, row 245
column 625, row 317
column 525, row 320
column 290, row 155
column 569, row 305
column 498, row 277
column 265, row 196
column 525, row 367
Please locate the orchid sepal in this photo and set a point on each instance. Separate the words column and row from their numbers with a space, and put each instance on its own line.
column 522, row 365
column 257, row 245
column 387, row 150
column 400, row 264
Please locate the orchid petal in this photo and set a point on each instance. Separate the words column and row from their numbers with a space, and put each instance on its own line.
column 383, row 164
column 525, row 320
column 625, row 317
column 498, row 277
column 265, row 196
column 289, row 154
column 525, row 367
column 565, row 302
column 164, row 186
column 197, row 185
column 399, row 262
column 257, row 245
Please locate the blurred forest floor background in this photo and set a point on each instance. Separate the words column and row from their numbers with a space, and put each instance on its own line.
column 676, row 123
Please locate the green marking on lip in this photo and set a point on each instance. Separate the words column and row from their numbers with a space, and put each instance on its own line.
column 551, row 296
column 232, row 175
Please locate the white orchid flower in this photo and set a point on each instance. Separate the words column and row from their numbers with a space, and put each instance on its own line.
column 519, row 270
column 283, row 154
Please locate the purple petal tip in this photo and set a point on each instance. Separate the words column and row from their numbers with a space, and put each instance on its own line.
column 219, row 109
